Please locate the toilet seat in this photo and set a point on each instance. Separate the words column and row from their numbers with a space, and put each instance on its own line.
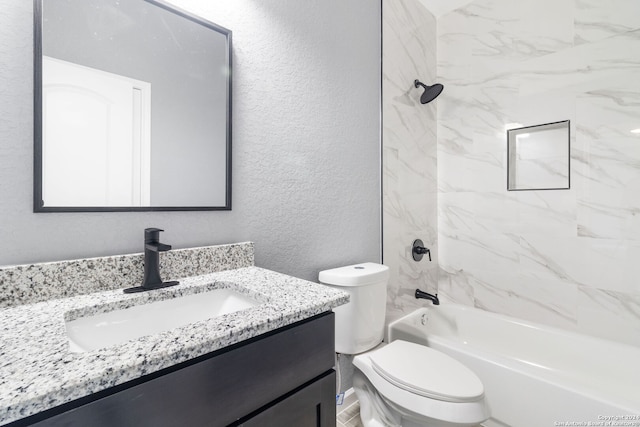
column 426, row 372
column 406, row 392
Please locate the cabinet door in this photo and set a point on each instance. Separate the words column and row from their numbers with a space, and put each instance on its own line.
column 312, row 406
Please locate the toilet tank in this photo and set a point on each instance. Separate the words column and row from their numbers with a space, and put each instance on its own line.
column 360, row 322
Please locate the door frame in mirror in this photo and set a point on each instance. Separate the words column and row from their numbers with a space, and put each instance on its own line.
column 38, row 204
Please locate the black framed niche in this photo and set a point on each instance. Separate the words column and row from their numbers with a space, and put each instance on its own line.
column 539, row 157
column 132, row 108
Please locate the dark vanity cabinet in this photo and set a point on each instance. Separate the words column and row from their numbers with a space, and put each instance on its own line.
column 284, row 378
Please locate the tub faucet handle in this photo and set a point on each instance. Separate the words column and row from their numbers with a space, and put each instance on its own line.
column 418, row 250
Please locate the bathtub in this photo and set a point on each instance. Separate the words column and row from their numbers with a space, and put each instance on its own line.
column 534, row 375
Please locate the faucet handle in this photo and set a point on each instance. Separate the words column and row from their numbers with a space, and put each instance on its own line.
column 418, row 250
column 157, row 247
column 152, row 235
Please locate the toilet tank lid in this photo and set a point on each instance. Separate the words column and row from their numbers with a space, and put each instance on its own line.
column 363, row 274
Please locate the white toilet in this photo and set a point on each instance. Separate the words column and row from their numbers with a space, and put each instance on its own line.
column 400, row 383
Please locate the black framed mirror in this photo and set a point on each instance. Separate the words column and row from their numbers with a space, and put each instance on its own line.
column 132, row 108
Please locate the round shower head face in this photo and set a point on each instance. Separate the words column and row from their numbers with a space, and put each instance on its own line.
column 431, row 93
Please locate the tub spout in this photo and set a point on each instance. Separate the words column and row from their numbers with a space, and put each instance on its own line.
column 434, row 298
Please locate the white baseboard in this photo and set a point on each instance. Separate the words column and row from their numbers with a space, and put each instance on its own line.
column 349, row 399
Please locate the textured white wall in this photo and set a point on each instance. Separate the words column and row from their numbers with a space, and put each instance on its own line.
column 306, row 167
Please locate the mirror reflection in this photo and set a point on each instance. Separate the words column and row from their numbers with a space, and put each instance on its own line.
column 133, row 99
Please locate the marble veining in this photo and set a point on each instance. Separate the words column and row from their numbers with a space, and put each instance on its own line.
column 594, row 22
column 38, row 372
column 565, row 258
column 410, row 163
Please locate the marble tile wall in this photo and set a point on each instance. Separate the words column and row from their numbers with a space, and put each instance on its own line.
column 409, row 158
column 567, row 258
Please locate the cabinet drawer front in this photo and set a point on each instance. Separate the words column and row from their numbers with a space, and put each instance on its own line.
column 220, row 389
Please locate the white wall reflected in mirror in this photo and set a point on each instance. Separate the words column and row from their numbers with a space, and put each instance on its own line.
column 538, row 157
column 103, row 141
column 96, row 145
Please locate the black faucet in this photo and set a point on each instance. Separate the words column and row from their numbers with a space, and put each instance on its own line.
column 152, row 249
column 425, row 295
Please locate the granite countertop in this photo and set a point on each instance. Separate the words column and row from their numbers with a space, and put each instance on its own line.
column 38, row 372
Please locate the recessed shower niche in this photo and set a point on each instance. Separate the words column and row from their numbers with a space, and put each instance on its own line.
column 538, row 157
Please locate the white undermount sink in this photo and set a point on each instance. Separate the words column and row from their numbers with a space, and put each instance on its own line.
column 115, row 327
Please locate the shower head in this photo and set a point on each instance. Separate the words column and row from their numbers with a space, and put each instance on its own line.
column 430, row 92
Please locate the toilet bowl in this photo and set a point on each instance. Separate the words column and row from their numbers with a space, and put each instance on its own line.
column 399, row 383
column 410, row 385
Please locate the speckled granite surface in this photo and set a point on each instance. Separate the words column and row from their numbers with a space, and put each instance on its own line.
column 38, row 372
column 27, row 284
